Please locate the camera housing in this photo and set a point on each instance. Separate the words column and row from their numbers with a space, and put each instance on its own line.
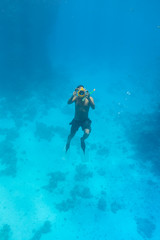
column 81, row 92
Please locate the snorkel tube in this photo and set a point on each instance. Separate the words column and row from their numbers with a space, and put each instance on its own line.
column 89, row 94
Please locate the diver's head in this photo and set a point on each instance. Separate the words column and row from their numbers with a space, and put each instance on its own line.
column 79, row 86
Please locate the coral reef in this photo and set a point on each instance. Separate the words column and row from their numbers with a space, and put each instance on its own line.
column 65, row 206
column 102, row 204
column 46, row 228
column 81, row 191
column 55, row 178
column 145, row 227
column 82, row 173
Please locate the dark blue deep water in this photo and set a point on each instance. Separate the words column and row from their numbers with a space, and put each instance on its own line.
column 47, row 48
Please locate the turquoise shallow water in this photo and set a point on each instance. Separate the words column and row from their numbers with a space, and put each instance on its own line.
column 47, row 49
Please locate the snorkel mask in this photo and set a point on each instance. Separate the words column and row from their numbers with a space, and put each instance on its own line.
column 81, row 92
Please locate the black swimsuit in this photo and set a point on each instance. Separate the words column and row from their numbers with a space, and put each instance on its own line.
column 84, row 124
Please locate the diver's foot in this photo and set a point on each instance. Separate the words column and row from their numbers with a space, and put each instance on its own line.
column 83, row 146
column 67, row 146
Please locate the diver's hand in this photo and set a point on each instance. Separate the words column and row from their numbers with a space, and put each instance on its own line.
column 87, row 94
column 74, row 93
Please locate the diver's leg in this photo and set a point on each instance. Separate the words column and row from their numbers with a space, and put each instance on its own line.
column 74, row 129
column 86, row 127
column 71, row 135
column 68, row 141
column 85, row 135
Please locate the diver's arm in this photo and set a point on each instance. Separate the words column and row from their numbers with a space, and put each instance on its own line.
column 91, row 101
column 73, row 98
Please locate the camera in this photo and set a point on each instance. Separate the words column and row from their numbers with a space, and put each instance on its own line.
column 81, row 92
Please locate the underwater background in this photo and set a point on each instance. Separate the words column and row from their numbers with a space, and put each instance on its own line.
column 47, row 48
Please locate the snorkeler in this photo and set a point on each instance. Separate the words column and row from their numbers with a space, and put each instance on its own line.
column 83, row 101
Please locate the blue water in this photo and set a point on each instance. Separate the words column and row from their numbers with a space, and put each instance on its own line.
column 47, row 48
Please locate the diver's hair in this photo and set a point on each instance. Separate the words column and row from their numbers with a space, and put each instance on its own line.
column 80, row 86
